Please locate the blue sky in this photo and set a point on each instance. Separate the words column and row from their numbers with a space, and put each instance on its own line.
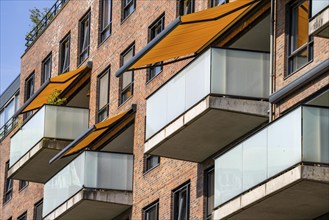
column 14, row 24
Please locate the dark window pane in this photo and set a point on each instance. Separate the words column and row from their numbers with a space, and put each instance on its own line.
column 46, row 69
column 8, row 190
column 151, row 212
column 185, row 7
column 127, row 78
column 23, row 216
column 151, row 161
column 106, row 19
column 29, row 87
column 65, row 55
column 215, row 3
column 181, row 203
column 22, row 184
column 210, row 181
column 103, row 95
column 84, row 38
column 38, row 210
column 128, row 7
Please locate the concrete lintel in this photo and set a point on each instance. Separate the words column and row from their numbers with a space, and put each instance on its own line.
column 252, row 107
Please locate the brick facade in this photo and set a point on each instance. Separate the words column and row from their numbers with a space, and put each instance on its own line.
column 158, row 183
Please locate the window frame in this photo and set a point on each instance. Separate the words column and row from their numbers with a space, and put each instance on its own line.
column 150, row 75
column 150, row 207
column 131, row 84
column 181, row 9
column 176, row 193
column 104, row 32
column 308, row 46
column 22, row 184
column 36, row 205
column 107, row 70
column 43, row 64
column 84, row 35
column 62, row 54
column 207, row 173
column 125, row 6
column 22, row 216
column 31, row 77
column 8, row 185
column 146, row 159
column 212, row 3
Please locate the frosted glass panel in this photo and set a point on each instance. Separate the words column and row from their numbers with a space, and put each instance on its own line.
column 27, row 136
column 241, row 73
column 156, row 111
column 255, row 160
column 109, row 171
column 228, row 175
column 58, row 122
column 90, row 169
column 197, row 80
column 64, row 184
column 284, row 142
column 175, row 97
column 316, row 134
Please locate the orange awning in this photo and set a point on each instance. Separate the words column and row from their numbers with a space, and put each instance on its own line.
column 66, row 83
column 190, row 34
column 99, row 134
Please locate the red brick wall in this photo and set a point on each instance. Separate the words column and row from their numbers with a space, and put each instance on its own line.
column 321, row 53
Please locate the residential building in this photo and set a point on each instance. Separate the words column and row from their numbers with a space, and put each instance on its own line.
column 173, row 110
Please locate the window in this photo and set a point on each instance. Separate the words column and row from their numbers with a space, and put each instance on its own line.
column 128, row 6
column 210, row 181
column 151, row 162
column 106, row 19
column 8, row 190
column 182, row 203
column 84, row 38
column 103, row 82
column 38, row 210
column 127, row 78
column 23, row 184
column 185, row 7
column 300, row 44
column 46, row 69
column 23, row 216
column 65, row 54
column 154, row 30
column 214, row 3
column 29, row 86
column 151, row 212
column 29, row 90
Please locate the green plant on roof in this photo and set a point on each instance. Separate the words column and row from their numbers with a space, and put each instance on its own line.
column 54, row 99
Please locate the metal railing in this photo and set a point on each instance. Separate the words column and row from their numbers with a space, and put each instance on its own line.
column 8, row 127
column 45, row 21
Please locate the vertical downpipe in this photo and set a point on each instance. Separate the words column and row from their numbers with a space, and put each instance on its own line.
column 271, row 57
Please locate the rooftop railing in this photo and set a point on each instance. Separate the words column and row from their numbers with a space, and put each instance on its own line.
column 45, row 21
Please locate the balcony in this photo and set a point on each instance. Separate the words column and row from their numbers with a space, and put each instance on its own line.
column 217, row 98
column 93, row 184
column 319, row 23
column 47, row 132
column 281, row 172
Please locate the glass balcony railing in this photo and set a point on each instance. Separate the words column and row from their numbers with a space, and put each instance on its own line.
column 217, row 71
column 54, row 122
column 96, row 170
column 300, row 136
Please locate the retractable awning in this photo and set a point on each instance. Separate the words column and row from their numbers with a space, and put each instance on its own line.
column 99, row 134
column 189, row 34
column 67, row 83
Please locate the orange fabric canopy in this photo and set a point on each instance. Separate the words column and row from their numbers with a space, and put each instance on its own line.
column 66, row 83
column 195, row 32
column 107, row 129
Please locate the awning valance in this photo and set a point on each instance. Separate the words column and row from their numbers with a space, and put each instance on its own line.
column 189, row 34
column 99, row 134
column 66, row 84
